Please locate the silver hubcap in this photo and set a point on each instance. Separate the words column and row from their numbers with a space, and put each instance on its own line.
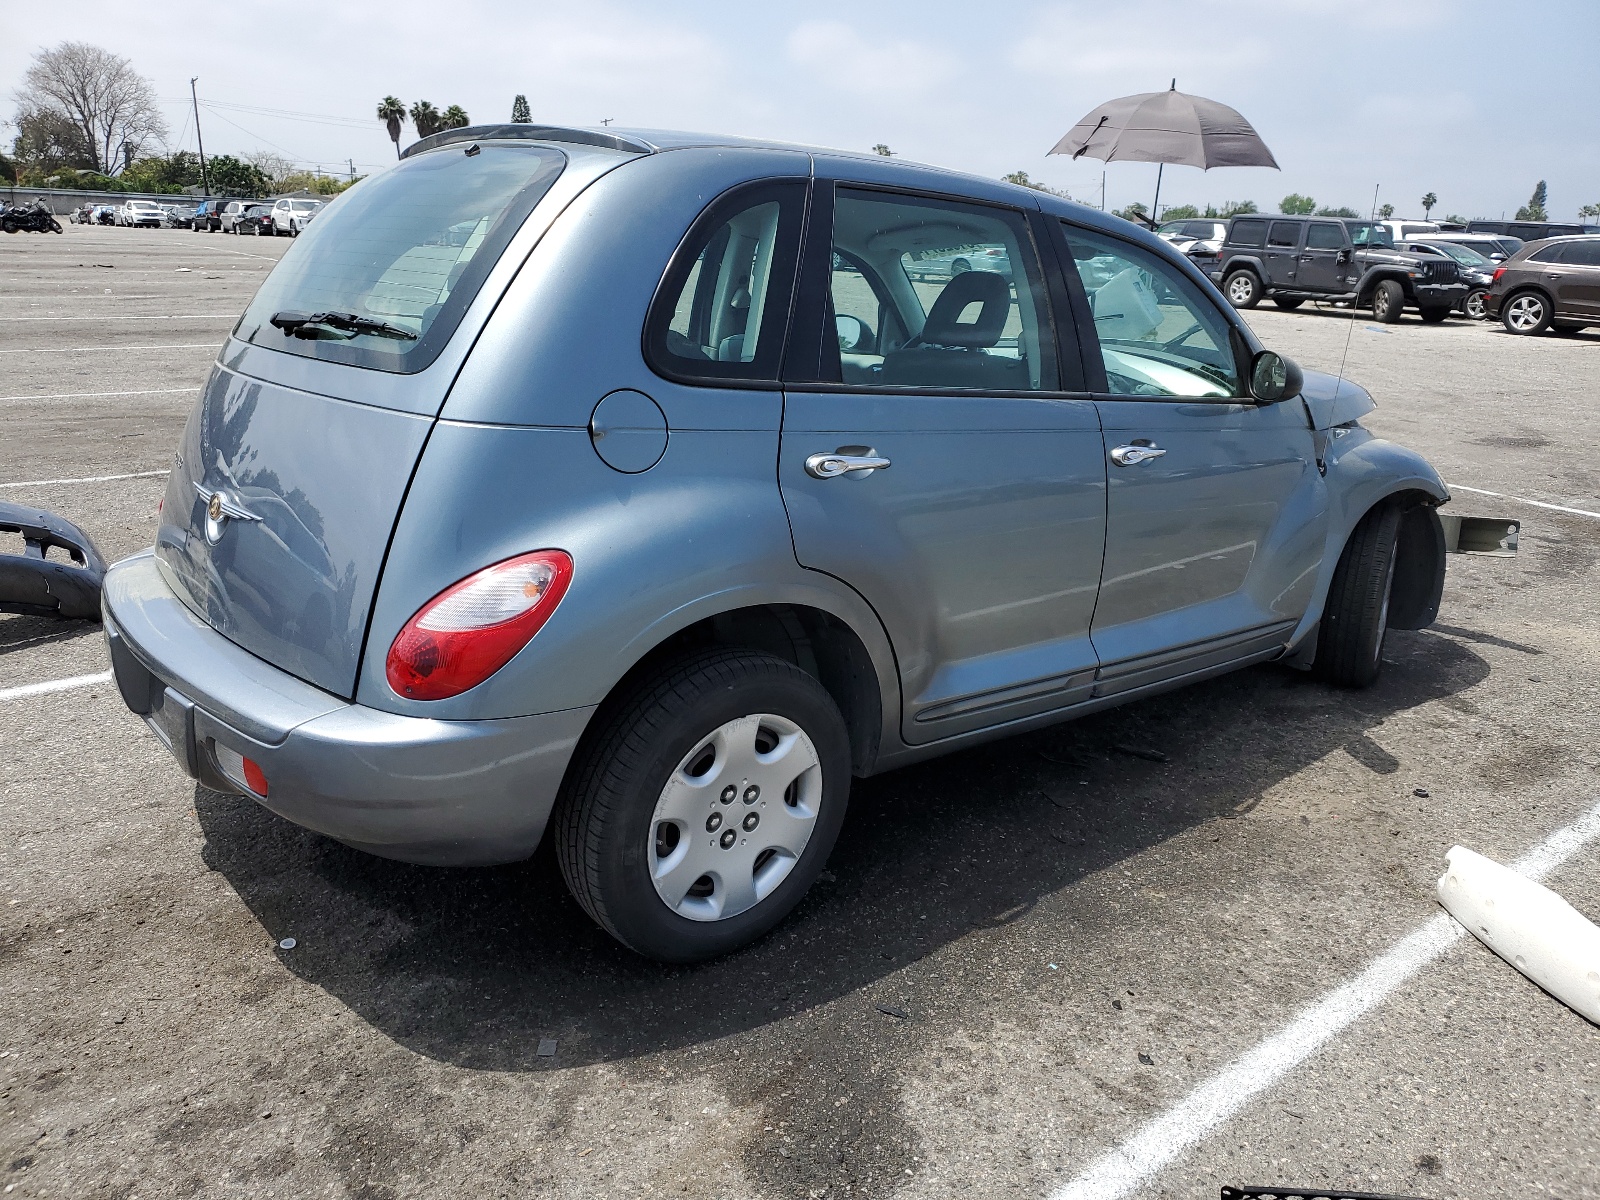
column 1475, row 308
column 1239, row 290
column 734, row 817
column 1380, row 304
column 1525, row 312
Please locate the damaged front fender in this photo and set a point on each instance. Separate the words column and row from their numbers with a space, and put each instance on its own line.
column 39, row 585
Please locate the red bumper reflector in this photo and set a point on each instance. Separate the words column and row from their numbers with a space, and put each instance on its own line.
column 254, row 779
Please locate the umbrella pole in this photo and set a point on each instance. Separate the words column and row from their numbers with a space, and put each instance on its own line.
column 1155, row 205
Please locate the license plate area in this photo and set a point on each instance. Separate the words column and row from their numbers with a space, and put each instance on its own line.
column 171, row 717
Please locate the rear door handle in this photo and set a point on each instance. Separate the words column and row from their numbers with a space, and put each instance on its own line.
column 1132, row 456
column 844, row 461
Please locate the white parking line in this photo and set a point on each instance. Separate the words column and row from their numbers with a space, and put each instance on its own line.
column 133, row 317
column 1162, row 1141
column 97, row 395
column 86, row 349
column 86, row 479
column 54, row 685
column 1581, row 512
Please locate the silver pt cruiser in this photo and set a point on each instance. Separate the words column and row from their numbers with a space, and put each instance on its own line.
column 641, row 488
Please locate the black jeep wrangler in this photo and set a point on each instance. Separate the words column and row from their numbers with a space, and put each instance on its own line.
column 1295, row 259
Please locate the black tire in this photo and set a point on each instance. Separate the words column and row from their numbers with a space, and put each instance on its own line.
column 603, row 822
column 1475, row 307
column 1388, row 301
column 1434, row 316
column 1356, row 616
column 55, row 225
column 1242, row 288
column 1526, row 312
column 1288, row 303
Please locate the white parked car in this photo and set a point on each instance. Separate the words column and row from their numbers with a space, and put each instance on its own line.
column 1401, row 229
column 291, row 216
column 141, row 212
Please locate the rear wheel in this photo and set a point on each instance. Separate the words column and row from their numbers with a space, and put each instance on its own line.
column 1356, row 617
column 1475, row 307
column 1289, row 303
column 704, row 807
column 1433, row 316
column 1526, row 312
column 1242, row 289
column 1388, row 301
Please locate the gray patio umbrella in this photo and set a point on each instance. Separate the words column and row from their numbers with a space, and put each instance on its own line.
column 1167, row 127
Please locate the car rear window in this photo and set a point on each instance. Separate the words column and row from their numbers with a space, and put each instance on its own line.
column 396, row 260
column 1248, row 233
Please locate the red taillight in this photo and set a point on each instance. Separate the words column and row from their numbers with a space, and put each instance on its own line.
column 473, row 628
column 1495, row 278
column 254, row 778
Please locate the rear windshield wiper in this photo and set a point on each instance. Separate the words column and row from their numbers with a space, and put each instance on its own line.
column 304, row 325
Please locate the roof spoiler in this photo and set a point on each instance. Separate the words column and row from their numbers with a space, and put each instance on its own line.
column 529, row 133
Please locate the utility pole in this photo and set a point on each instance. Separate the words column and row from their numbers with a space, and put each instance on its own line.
column 352, row 163
column 205, row 176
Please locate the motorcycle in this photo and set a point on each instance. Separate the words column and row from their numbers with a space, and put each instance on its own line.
column 29, row 218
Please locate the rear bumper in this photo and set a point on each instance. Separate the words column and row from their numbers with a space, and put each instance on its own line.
column 444, row 793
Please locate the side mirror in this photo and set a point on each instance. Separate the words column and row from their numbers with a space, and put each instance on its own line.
column 1344, row 255
column 853, row 333
column 1274, row 377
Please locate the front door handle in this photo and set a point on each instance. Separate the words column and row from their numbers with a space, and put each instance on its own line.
column 844, row 461
column 1132, row 456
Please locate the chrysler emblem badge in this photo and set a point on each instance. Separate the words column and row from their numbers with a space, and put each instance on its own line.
column 220, row 508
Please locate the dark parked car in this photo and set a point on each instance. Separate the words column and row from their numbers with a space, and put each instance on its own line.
column 1496, row 247
column 393, row 599
column 1530, row 231
column 256, row 219
column 208, row 216
column 1295, row 259
column 1553, row 284
column 1476, row 270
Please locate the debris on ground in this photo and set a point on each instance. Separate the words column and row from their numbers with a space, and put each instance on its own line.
column 1141, row 752
column 892, row 1010
column 1420, row 793
column 547, row 1047
column 287, row 944
column 1146, row 1059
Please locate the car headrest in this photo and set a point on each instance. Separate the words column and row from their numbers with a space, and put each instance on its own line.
column 944, row 326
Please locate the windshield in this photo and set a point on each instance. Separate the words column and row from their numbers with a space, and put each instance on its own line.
column 1462, row 254
column 407, row 249
column 1365, row 233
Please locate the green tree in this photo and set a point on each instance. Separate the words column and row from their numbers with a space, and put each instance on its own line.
column 425, row 118
column 1534, row 209
column 110, row 107
column 1428, row 201
column 1238, row 208
column 1020, row 178
column 1385, row 211
column 1296, row 205
column 520, row 113
column 392, row 112
column 8, row 170
column 1588, row 210
column 1337, row 212
column 455, row 117
column 880, row 148
column 163, row 173
column 1137, row 212
column 232, row 177
column 1455, row 220
column 1180, row 212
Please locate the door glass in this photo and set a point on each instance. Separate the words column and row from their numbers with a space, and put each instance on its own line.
column 1583, row 254
column 1158, row 334
column 722, row 308
column 1248, row 233
column 1284, row 233
column 1324, row 237
column 932, row 294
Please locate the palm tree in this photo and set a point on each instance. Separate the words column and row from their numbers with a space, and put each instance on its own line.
column 393, row 113
column 455, row 117
column 425, row 117
column 1428, row 202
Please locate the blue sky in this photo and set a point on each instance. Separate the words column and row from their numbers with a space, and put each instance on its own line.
column 1473, row 100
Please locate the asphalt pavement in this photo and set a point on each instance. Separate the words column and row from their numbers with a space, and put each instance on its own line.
column 1101, row 960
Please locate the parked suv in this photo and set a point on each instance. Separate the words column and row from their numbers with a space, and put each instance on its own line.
column 290, row 216
column 1553, row 284
column 1530, row 231
column 651, row 499
column 208, row 215
column 135, row 213
column 1477, row 272
column 228, row 222
column 1295, row 259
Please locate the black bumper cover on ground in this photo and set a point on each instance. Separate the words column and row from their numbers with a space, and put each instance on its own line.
column 41, row 586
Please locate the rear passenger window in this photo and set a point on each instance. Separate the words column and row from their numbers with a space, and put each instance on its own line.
column 933, row 294
column 1284, row 233
column 722, row 308
column 1248, row 233
column 1546, row 254
column 1159, row 335
column 1324, row 237
column 1583, row 254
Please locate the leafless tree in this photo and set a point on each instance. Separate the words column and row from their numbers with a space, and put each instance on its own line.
column 110, row 104
column 275, row 167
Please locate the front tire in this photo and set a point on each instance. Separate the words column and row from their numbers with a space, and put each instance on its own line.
column 1242, row 289
column 1475, row 307
column 1388, row 301
column 705, row 804
column 1355, row 619
column 1526, row 312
